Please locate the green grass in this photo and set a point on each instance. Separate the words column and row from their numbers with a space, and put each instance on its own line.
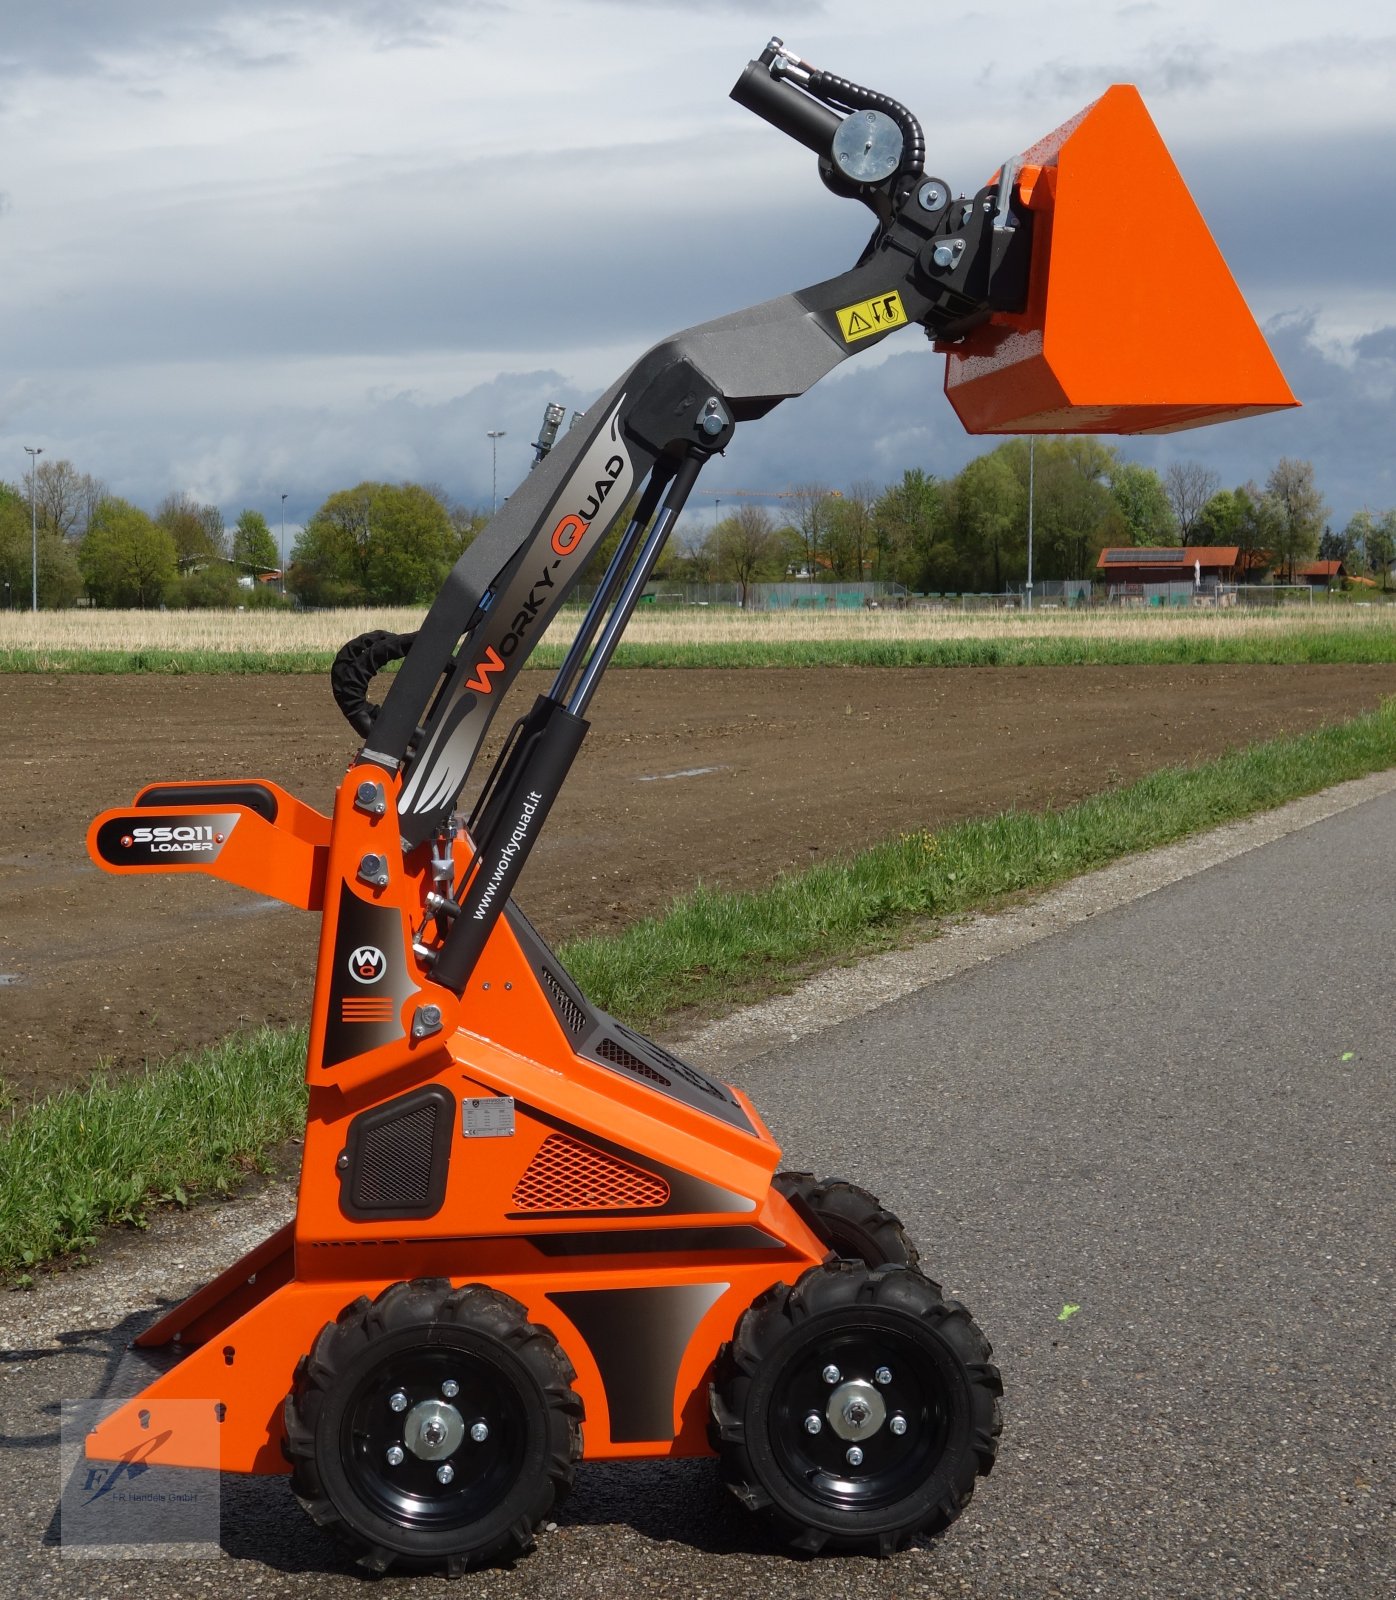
column 1321, row 645
column 171, row 663
column 88, row 1158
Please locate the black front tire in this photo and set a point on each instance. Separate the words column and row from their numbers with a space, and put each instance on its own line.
column 898, row 1348
column 457, row 1358
column 853, row 1223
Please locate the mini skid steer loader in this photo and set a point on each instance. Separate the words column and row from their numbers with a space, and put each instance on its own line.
column 527, row 1235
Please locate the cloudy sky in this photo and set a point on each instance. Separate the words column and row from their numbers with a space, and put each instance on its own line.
column 251, row 248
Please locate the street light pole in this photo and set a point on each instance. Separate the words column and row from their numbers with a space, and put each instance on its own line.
column 34, row 452
column 283, row 547
column 494, row 435
column 1032, row 462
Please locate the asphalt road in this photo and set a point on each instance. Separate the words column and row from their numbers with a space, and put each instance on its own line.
column 1175, row 1115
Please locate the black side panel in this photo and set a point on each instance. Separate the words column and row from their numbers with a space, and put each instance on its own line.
column 654, row 1241
column 252, row 795
column 638, row 1337
column 398, row 1156
column 609, row 1043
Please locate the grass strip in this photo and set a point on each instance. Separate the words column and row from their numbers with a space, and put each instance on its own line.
column 1319, row 646
column 724, row 948
column 105, row 1154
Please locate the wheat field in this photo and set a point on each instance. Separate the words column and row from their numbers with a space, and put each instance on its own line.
column 277, row 633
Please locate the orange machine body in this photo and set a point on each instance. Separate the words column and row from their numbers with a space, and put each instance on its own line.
column 635, row 1225
column 1133, row 323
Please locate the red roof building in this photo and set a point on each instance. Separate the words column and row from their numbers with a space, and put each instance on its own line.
column 1133, row 565
column 1319, row 574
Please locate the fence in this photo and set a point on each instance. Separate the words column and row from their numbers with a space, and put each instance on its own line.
column 798, row 596
column 1271, row 594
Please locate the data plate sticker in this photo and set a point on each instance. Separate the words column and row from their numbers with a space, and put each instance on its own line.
column 868, row 317
column 488, row 1118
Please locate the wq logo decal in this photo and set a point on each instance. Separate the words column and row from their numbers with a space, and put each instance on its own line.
column 367, row 964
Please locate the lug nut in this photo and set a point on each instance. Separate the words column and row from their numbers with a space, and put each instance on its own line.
column 883, row 1375
column 395, row 1455
column 898, row 1425
column 398, row 1402
column 813, row 1422
column 832, row 1374
column 450, row 1388
column 854, row 1456
column 445, row 1472
column 479, row 1432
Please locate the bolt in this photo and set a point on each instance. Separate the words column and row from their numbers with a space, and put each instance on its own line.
column 398, row 1401
column 813, row 1424
column 479, row 1432
column 395, row 1455
column 342, row 1162
column 832, row 1374
column 932, row 197
column 856, row 1413
column 445, row 1472
column 944, row 255
column 450, row 1388
column 712, row 422
column 883, row 1375
column 369, row 797
column 433, row 1433
column 854, row 1456
column 426, row 1020
column 374, row 869
column 898, row 1426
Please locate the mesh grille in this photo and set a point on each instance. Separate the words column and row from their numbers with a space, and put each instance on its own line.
column 395, row 1162
column 567, row 1175
column 563, row 1003
column 680, row 1069
column 619, row 1056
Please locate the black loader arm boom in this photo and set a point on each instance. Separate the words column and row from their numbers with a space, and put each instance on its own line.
column 941, row 263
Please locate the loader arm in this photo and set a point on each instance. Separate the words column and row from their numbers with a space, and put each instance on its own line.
column 942, row 264
column 964, row 269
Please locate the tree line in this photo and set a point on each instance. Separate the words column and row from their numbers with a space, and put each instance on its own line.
column 969, row 533
column 376, row 544
column 382, row 543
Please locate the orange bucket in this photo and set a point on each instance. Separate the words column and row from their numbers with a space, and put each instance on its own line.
column 1133, row 322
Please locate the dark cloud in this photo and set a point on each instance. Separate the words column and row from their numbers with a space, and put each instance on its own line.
column 1159, row 68
column 76, row 38
column 1377, row 347
column 1316, row 220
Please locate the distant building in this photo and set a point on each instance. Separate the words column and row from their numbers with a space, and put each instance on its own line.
column 1319, row 574
column 1136, row 572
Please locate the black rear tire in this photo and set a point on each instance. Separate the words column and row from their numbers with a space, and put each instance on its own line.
column 391, row 1375
column 916, row 1364
column 852, row 1222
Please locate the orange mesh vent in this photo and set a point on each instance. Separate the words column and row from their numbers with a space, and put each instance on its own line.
column 567, row 1175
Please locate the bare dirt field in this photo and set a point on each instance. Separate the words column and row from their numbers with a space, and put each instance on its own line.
column 727, row 777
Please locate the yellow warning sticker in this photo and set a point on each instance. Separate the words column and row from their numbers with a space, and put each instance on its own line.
column 877, row 315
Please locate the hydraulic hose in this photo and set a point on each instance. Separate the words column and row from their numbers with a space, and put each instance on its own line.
column 356, row 666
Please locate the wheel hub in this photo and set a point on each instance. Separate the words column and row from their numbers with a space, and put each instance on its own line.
column 433, row 1430
column 856, row 1410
